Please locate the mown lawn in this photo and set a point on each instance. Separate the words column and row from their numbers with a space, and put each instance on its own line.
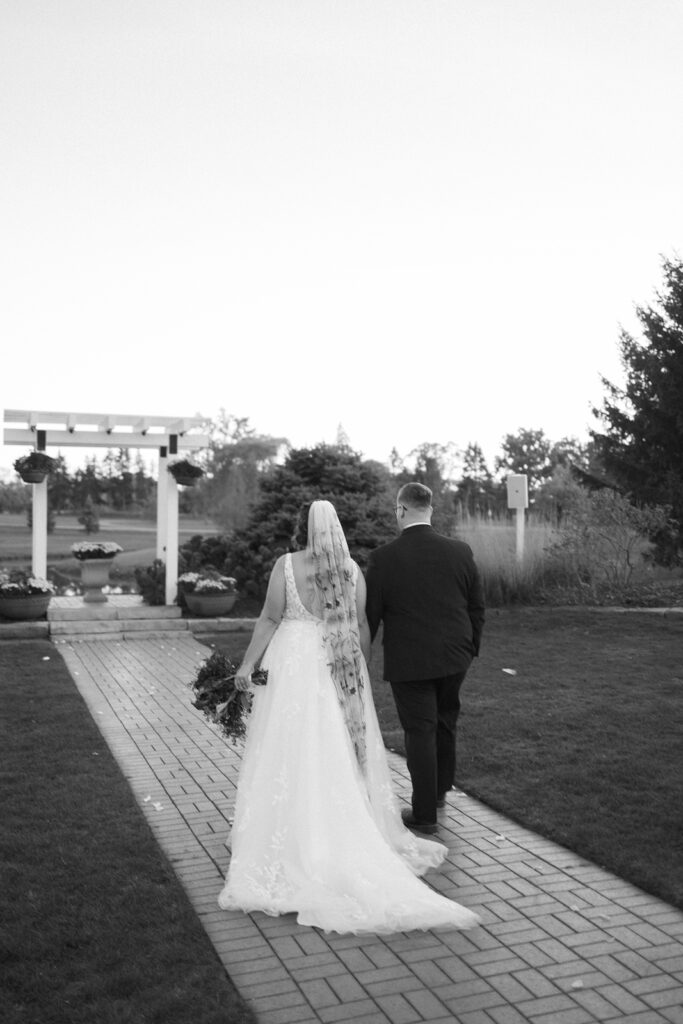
column 137, row 537
column 584, row 743
column 94, row 926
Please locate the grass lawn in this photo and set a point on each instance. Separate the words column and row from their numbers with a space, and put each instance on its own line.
column 137, row 537
column 583, row 744
column 95, row 928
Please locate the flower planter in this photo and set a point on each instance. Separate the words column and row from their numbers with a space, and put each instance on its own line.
column 33, row 476
column 185, row 481
column 210, row 605
column 26, row 606
column 94, row 576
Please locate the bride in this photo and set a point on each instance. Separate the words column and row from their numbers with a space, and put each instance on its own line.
column 317, row 829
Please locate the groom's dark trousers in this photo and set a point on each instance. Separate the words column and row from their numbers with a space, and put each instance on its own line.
column 428, row 711
column 426, row 591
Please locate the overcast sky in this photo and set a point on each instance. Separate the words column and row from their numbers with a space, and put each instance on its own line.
column 424, row 220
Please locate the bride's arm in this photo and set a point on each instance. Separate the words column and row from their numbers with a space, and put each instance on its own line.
column 266, row 624
column 363, row 627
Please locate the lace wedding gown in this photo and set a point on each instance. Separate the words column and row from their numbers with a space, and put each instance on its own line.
column 310, row 834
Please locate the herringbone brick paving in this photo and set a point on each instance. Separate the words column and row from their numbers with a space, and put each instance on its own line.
column 561, row 941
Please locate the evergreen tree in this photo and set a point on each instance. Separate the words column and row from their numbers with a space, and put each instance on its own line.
column 476, row 493
column 60, row 485
column 642, row 443
column 88, row 484
column 361, row 491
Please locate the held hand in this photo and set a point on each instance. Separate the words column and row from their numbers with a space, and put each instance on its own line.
column 243, row 678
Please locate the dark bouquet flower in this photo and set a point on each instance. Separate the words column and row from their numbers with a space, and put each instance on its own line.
column 216, row 695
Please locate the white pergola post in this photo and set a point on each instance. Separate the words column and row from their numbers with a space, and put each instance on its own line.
column 171, row 558
column 162, row 491
column 171, row 526
column 39, row 531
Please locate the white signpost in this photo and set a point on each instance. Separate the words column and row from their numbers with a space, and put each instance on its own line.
column 518, row 498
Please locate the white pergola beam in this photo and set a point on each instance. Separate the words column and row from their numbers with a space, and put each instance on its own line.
column 100, row 439
column 104, row 421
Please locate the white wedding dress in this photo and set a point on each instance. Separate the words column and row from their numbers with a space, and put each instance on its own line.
column 310, row 835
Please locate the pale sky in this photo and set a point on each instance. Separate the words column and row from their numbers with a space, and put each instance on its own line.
column 423, row 219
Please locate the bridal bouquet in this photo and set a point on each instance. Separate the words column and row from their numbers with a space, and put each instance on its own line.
column 216, row 695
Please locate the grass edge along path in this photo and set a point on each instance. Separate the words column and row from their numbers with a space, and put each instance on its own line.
column 95, row 924
column 572, row 726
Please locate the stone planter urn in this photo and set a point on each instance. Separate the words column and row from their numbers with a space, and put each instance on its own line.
column 95, row 576
column 210, row 605
column 24, row 607
column 95, row 558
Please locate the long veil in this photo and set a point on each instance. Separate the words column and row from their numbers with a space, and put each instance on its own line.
column 333, row 588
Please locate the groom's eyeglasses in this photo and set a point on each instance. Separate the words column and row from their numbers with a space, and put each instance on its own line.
column 397, row 508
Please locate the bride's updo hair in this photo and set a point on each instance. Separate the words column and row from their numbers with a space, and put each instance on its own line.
column 300, row 536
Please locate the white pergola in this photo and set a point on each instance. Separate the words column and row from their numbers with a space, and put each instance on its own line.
column 169, row 435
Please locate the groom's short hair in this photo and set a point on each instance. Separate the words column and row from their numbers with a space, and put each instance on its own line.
column 415, row 496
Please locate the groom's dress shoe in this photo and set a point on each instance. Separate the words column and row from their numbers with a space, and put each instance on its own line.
column 418, row 826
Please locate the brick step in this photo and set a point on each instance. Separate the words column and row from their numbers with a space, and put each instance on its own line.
column 60, row 630
column 103, row 626
column 143, row 629
column 20, row 630
column 118, row 637
column 109, row 611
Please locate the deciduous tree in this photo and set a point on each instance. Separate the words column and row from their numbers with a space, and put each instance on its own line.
column 529, row 452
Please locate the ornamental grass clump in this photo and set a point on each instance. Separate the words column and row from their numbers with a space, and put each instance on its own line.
column 217, row 697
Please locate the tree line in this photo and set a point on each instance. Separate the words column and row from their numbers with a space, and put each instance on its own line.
column 239, row 460
column 638, row 452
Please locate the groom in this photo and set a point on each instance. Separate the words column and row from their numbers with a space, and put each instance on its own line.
column 426, row 590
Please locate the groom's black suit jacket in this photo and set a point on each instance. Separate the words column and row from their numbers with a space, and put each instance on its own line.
column 426, row 589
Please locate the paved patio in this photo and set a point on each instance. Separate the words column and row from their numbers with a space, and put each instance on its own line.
column 561, row 940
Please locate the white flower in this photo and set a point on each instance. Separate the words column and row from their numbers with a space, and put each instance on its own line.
column 95, row 549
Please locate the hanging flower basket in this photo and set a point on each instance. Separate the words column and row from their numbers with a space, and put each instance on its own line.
column 185, row 473
column 33, row 468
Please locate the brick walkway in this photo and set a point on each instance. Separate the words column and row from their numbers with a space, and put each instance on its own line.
column 561, row 941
